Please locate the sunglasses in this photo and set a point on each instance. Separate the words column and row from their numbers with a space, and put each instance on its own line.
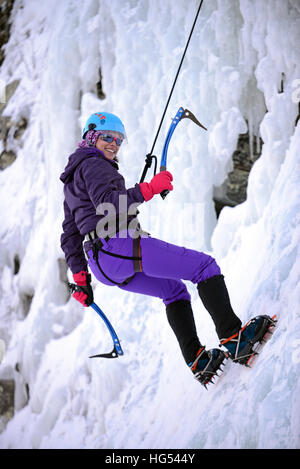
column 110, row 138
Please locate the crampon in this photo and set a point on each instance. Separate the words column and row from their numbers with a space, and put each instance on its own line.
column 246, row 344
column 207, row 364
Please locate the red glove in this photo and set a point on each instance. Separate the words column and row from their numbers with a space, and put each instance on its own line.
column 157, row 184
column 85, row 295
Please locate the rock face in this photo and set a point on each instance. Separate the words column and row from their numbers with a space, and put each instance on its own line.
column 9, row 127
column 5, row 11
column 234, row 190
column 7, row 391
column 7, row 155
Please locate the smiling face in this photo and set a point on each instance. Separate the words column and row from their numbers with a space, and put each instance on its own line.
column 109, row 149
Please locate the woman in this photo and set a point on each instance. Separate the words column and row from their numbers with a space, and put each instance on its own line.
column 120, row 254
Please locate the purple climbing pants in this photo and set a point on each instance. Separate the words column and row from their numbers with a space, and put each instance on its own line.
column 164, row 266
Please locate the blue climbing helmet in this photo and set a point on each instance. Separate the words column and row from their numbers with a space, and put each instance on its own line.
column 104, row 121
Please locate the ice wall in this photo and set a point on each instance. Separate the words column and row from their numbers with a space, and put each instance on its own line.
column 239, row 73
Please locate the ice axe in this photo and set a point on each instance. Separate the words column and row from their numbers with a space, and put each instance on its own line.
column 181, row 114
column 117, row 349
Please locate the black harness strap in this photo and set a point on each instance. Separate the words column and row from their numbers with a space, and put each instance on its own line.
column 137, row 255
column 136, row 258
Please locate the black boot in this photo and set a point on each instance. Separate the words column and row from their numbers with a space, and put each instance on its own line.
column 207, row 364
column 215, row 298
column 181, row 319
column 242, row 345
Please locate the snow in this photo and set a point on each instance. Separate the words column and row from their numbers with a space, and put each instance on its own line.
column 239, row 53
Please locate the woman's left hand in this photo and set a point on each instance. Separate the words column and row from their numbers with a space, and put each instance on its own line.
column 159, row 183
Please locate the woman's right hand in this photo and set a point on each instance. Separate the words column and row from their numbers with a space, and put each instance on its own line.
column 85, row 295
column 159, row 183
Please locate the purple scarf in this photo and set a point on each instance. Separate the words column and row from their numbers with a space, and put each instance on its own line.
column 91, row 138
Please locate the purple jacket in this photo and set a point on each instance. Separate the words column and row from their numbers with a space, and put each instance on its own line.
column 89, row 179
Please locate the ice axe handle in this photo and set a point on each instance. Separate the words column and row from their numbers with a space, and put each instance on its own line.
column 165, row 192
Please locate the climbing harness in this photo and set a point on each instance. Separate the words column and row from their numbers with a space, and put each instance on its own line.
column 97, row 246
column 181, row 113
